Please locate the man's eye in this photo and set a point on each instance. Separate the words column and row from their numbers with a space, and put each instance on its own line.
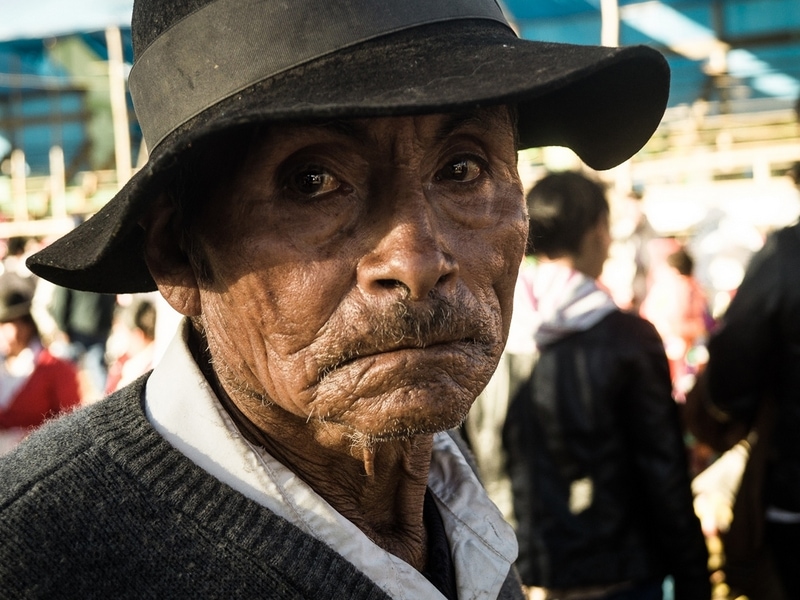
column 461, row 169
column 314, row 181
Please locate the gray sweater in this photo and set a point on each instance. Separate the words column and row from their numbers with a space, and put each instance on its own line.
column 99, row 505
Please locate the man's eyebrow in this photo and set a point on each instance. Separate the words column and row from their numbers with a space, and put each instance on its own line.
column 346, row 127
column 481, row 118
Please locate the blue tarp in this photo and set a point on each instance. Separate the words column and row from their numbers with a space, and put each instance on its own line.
column 35, row 85
column 762, row 37
column 54, row 91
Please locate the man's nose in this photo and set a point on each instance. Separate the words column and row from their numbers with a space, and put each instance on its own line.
column 410, row 254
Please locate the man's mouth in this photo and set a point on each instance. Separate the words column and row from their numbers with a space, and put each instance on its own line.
column 362, row 353
column 438, row 325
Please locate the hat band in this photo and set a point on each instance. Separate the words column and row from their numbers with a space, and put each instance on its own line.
column 229, row 45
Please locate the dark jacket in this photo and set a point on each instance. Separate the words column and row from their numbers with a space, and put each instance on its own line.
column 599, row 468
column 84, row 316
column 756, row 352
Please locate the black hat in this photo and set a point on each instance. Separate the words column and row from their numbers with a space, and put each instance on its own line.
column 14, row 303
column 204, row 66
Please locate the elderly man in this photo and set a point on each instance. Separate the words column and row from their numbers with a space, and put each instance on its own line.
column 332, row 201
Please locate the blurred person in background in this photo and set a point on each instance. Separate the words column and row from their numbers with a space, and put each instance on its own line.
column 633, row 230
column 678, row 308
column 14, row 272
column 84, row 319
column 595, row 452
column 34, row 385
column 753, row 365
column 135, row 329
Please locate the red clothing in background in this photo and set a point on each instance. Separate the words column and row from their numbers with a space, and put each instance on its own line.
column 52, row 388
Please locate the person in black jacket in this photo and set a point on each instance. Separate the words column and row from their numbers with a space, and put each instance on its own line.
column 85, row 319
column 754, row 355
column 595, row 453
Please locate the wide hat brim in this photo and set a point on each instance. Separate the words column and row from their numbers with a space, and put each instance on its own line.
column 603, row 103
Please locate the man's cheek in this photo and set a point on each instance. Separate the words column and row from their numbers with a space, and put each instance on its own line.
column 496, row 261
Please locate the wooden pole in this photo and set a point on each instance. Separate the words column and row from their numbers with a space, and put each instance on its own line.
column 609, row 29
column 609, row 36
column 119, row 106
column 58, row 184
column 19, row 192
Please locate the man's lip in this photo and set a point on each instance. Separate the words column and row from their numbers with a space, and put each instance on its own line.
column 402, row 347
column 396, row 348
column 426, row 346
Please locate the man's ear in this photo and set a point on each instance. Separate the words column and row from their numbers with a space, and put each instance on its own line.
column 168, row 263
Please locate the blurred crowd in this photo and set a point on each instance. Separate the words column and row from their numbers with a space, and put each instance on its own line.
column 63, row 348
column 644, row 405
column 604, row 436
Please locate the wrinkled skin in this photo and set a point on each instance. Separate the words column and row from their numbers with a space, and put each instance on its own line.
column 358, row 295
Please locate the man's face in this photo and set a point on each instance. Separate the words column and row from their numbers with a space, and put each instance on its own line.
column 361, row 273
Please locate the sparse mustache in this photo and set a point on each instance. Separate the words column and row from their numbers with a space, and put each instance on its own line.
column 408, row 324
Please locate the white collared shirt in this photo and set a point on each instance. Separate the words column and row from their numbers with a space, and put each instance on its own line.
column 185, row 411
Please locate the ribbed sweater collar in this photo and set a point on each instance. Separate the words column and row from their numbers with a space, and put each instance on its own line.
column 118, row 423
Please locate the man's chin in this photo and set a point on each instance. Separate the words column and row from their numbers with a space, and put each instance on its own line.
column 402, row 428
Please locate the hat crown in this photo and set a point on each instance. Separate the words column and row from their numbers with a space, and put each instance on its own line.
column 153, row 17
column 224, row 47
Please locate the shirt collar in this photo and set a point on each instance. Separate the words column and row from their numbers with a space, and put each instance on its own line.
column 183, row 408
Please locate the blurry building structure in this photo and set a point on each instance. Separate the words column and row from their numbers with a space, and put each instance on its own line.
column 69, row 139
column 68, row 135
column 714, row 174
